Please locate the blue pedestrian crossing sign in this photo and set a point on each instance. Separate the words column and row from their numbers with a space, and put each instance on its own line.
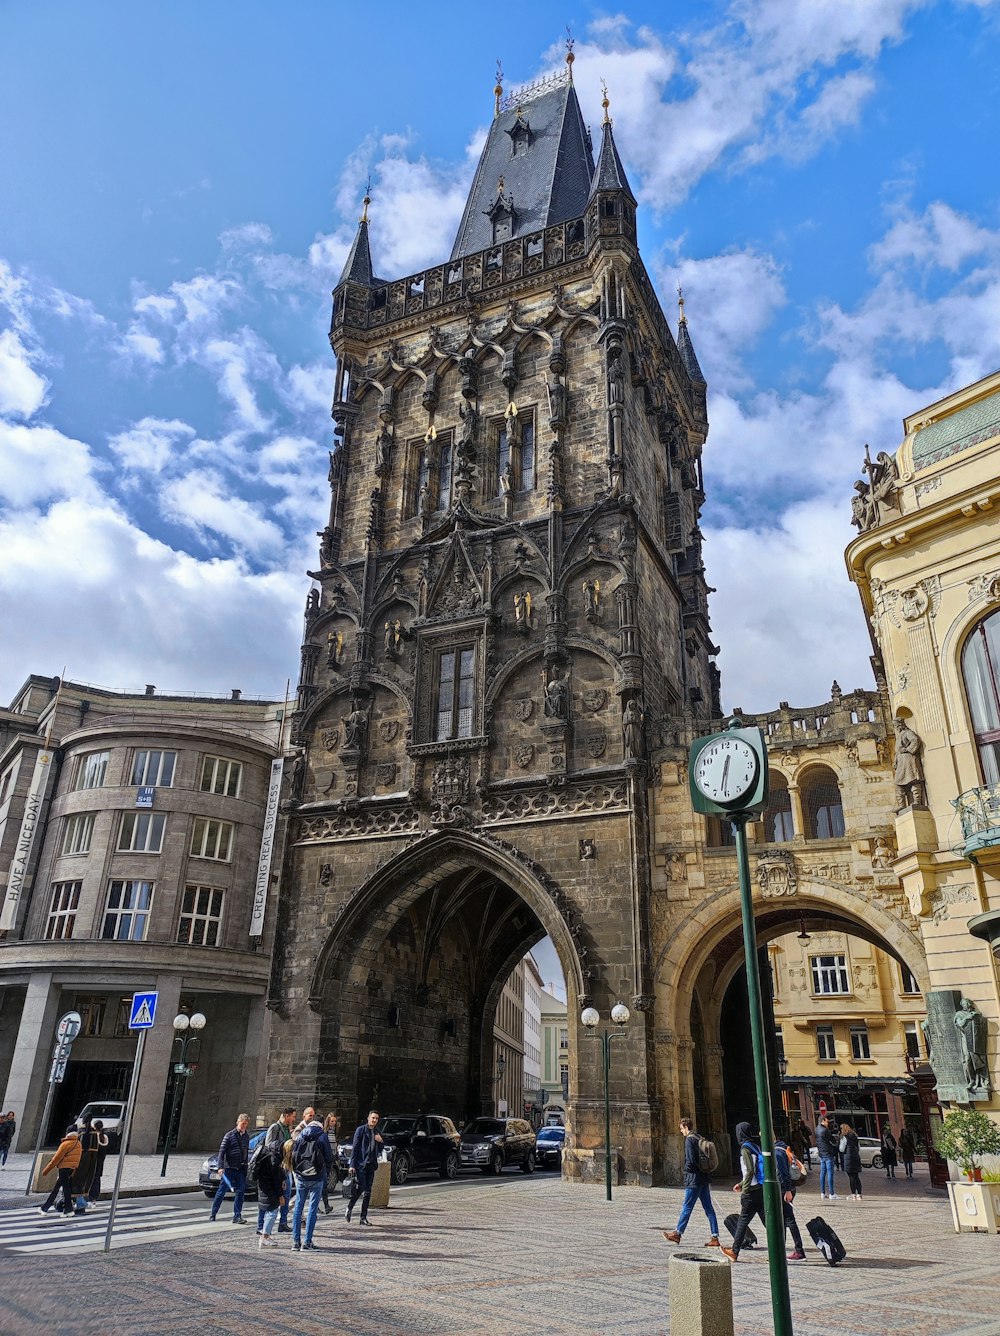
column 143, row 1011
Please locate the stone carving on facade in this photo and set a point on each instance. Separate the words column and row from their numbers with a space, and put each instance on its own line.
column 335, row 650
column 567, row 800
column 908, row 769
column 450, row 791
column 594, row 699
column 331, row 738
column 355, row 727
column 392, row 639
column 871, row 498
column 325, row 874
column 556, row 695
column 385, row 773
column 840, row 872
column 312, row 604
column 971, row 1026
column 588, row 850
column 524, row 754
column 776, row 873
column 984, row 586
column 524, row 708
column 865, row 977
column 327, row 547
column 592, row 600
column 524, row 615
column 943, row 897
column 596, row 745
column 383, row 453
column 903, row 679
column 459, row 594
column 357, row 823
column 388, row 730
column 882, row 854
column 632, row 730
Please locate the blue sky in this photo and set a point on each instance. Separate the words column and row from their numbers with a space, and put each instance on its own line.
column 181, row 184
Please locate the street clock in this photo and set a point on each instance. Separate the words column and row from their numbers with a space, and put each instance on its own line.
column 728, row 772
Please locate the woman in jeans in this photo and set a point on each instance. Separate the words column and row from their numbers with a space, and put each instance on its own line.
column 270, row 1190
column 330, row 1128
column 851, row 1151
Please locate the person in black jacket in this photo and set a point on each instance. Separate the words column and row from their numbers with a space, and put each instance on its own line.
column 826, row 1146
column 8, row 1126
column 103, row 1144
column 850, row 1149
column 271, row 1187
column 696, row 1188
column 888, row 1147
column 234, row 1156
column 83, row 1177
column 364, row 1158
column 783, row 1165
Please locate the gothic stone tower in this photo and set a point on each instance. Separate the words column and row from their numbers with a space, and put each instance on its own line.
column 509, row 613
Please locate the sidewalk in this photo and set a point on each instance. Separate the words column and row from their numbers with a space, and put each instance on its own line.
column 140, row 1177
column 491, row 1257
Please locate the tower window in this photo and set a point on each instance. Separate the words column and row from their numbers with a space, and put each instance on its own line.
column 824, row 810
column 514, row 455
column 778, row 813
column 444, row 476
column 456, row 692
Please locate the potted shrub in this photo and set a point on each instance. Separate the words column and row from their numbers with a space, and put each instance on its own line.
column 965, row 1135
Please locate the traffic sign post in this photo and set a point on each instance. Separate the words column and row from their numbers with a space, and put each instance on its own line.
column 141, row 1018
column 66, row 1031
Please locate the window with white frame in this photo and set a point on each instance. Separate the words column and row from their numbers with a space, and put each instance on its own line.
column 212, row 839
column 907, row 982
column 141, row 832
column 91, row 770
column 860, row 1047
column 78, row 831
column 826, row 1048
column 829, row 974
column 127, row 914
column 201, row 916
column 154, row 767
column 221, row 775
column 911, row 1039
column 456, row 692
column 62, row 910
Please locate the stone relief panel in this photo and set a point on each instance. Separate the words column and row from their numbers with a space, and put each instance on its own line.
column 386, row 765
column 566, row 800
column 597, row 734
column 518, row 713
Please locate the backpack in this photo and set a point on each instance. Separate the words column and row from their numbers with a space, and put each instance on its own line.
column 758, row 1161
column 306, row 1157
column 256, row 1155
column 708, row 1156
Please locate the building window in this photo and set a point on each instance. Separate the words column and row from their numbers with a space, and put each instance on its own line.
column 527, row 456
column 417, row 479
column 514, row 456
column 444, row 463
column 6, row 782
column 128, row 909
column 212, row 839
column 779, row 1043
column 141, row 832
column 78, row 833
column 778, row 813
column 981, row 674
column 201, row 916
column 826, row 1048
column 91, row 770
column 829, row 974
column 456, row 692
column 154, row 767
column 563, row 1040
column 220, row 775
column 91, row 1011
column 822, row 806
column 62, row 911
column 911, row 1039
column 860, row 1047
column 907, row 982
column 122, row 1018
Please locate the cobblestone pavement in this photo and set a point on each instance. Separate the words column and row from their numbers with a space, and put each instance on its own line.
column 514, row 1255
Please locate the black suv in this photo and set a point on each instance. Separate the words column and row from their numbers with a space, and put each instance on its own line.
column 420, row 1144
column 490, row 1144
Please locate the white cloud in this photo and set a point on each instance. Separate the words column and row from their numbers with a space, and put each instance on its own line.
column 22, row 389
column 142, row 346
column 201, row 501
column 310, row 388
column 149, row 445
column 38, row 462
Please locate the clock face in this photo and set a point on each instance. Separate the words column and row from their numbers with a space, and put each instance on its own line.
column 726, row 770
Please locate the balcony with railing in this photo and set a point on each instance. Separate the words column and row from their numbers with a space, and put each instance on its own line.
column 979, row 812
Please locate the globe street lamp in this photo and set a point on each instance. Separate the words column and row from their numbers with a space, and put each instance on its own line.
column 501, row 1068
column 187, row 1032
column 590, row 1017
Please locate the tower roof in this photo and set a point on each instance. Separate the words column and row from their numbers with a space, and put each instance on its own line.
column 686, row 348
column 539, row 146
column 358, row 266
column 610, row 174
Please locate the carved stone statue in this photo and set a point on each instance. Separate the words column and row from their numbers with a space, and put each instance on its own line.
column 616, row 381
column 523, row 613
column 556, row 696
column 335, row 649
column 908, row 768
column 592, row 599
column 383, row 451
column 355, row 727
column 326, row 546
column 312, row 604
column 470, row 425
column 393, row 638
column 971, row 1025
column 424, row 500
column 632, row 729
column 878, row 492
column 557, row 402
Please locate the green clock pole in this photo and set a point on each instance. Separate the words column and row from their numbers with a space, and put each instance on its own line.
column 781, row 1306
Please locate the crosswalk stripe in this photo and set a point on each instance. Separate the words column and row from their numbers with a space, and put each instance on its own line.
column 92, row 1243
column 24, row 1230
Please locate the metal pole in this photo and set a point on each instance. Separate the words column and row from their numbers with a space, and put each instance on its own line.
column 179, row 1081
column 126, row 1133
column 41, row 1134
column 777, row 1263
column 607, row 1112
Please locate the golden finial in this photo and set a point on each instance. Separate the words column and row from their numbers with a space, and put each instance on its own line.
column 367, row 201
column 498, row 90
column 605, row 104
column 570, row 43
column 682, row 318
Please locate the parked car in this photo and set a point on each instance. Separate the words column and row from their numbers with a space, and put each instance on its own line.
column 549, row 1146
column 490, row 1144
column 111, row 1112
column 420, row 1144
column 871, row 1152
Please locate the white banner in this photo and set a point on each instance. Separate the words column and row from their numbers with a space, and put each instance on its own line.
column 17, row 879
column 266, row 849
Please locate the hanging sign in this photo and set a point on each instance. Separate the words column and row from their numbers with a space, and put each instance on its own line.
column 17, row 879
column 266, row 848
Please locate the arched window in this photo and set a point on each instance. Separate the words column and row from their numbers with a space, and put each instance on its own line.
column 981, row 673
column 778, row 813
column 821, row 804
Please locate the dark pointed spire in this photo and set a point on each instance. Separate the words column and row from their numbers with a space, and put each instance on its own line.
column 684, row 345
column 358, row 267
column 610, row 174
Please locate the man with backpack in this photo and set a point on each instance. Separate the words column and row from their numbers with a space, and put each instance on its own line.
column 750, row 1187
column 311, row 1162
column 700, row 1158
column 786, row 1165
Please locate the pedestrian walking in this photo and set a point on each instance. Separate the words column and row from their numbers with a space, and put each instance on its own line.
column 806, row 1134
column 697, row 1181
column 311, row 1162
column 887, row 1149
column 364, row 1158
column 826, row 1148
column 83, row 1175
column 330, row 1128
column 851, row 1151
column 308, row 1114
column 279, row 1134
column 65, row 1160
column 783, row 1165
column 750, row 1187
column 271, row 1187
column 7, row 1129
column 907, row 1150
column 234, row 1155
column 103, row 1145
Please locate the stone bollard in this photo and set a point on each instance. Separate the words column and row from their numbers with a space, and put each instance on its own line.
column 701, row 1295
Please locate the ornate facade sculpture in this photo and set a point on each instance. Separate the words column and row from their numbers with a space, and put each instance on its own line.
column 556, row 695
column 632, row 729
column 592, row 599
column 355, row 727
column 524, row 614
column 971, row 1026
column 908, row 767
column 335, row 649
column 879, row 493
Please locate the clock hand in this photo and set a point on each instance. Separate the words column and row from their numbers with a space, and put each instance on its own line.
column 725, row 772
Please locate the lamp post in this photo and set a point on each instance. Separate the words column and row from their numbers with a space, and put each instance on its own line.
column 187, row 1031
column 591, row 1018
